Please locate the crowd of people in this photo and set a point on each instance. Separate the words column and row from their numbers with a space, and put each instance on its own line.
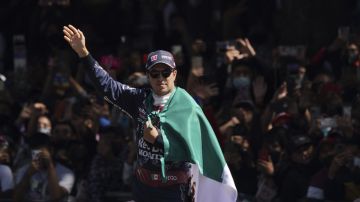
column 286, row 116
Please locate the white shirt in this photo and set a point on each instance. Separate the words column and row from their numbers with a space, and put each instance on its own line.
column 6, row 178
column 38, row 183
column 160, row 101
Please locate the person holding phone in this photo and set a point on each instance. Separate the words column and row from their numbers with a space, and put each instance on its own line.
column 343, row 176
column 170, row 129
column 42, row 178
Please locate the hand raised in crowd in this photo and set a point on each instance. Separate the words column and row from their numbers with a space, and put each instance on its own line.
column 246, row 47
column 232, row 54
column 229, row 124
column 245, row 50
column 339, row 161
column 25, row 112
column 237, row 139
column 76, row 39
column 281, row 92
column 42, row 160
column 38, row 109
column 266, row 166
column 45, row 158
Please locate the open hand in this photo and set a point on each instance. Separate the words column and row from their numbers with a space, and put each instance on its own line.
column 281, row 92
column 232, row 54
column 246, row 47
column 266, row 166
column 76, row 39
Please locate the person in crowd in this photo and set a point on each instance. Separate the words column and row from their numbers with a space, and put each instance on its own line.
column 272, row 160
column 302, row 166
column 105, row 174
column 43, row 178
column 239, row 152
column 32, row 119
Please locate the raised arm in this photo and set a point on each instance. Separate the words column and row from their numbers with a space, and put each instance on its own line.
column 76, row 39
column 117, row 93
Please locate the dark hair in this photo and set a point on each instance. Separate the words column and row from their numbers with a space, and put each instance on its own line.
column 38, row 139
column 72, row 127
column 116, row 130
column 298, row 141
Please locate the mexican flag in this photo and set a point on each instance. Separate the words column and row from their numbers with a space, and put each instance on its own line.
column 188, row 136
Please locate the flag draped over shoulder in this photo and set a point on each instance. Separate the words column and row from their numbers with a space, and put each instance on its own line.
column 188, row 136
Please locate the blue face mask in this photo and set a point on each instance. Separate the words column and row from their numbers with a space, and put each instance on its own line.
column 241, row 82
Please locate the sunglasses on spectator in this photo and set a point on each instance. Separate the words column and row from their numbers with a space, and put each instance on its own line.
column 164, row 73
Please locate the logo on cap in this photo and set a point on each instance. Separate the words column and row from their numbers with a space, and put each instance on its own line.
column 153, row 58
column 166, row 57
column 160, row 56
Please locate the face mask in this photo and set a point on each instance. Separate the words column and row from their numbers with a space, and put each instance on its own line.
column 241, row 82
column 46, row 130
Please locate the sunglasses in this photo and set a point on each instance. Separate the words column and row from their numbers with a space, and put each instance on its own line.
column 156, row 74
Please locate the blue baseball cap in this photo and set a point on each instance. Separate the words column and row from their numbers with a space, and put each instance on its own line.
column 160, row 56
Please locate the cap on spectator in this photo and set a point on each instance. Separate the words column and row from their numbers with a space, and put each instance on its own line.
column 298, row 141
column 160, row 56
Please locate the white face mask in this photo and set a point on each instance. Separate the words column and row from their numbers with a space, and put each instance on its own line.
column 46, row 130
column 241, row 82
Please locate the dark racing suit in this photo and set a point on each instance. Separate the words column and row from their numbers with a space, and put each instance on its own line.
column 133, row 101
